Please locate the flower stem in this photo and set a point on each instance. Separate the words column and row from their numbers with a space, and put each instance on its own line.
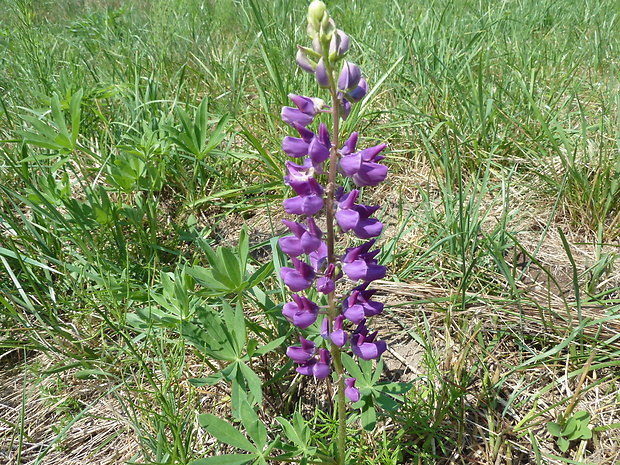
column 336, row 352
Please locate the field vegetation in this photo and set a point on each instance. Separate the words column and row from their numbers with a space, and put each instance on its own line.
column 141, row 201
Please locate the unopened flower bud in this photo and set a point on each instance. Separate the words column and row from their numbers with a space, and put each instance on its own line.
column 321, row 74
column 304, row 62
column 316, row 11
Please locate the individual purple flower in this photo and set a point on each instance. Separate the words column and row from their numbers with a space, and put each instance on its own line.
column 337, row 335
column 350, row 390
column 307, row 109
column 359, row 263
column 303, row 61
column 362, row 166
column 350, row 76
column 298, row 278
column 295, row 147
column 303, row 241
column 364, row 345
column 322, row 76
column 358, row 93
column 317, row 368
column 298, row 172
column 302, row 312
column 339, row 45
column 309, row 200
column 304, row 353
column 357, row 217
column 318, row 258
column 358, row 306
column 325, row 284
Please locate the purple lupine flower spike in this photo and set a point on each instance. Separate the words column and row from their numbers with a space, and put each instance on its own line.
column 319, row 269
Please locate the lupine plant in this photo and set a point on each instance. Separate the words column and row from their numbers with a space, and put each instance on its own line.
column 318, row 266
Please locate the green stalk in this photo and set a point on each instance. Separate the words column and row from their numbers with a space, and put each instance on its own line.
column 335, row 351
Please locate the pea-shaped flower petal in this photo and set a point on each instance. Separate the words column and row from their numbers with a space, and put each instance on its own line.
column 350, row 76
column 302, row 354
column 365, row 347
column 298, row 278
column 350, row 390
column 302, row 312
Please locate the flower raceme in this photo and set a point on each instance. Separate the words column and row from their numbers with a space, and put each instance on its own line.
column 317, row 269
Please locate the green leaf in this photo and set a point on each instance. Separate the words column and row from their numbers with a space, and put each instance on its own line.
column 554, row 429
column 253, row 426
column 228, row 459
column 584, row 432
column 269, row 347
column 369, row 416
column 253, row 383
column 261, row 274
column 563, row 444
column 582, row 416
column 225, row 432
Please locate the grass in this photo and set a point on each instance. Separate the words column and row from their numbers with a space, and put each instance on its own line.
column 138, row 137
